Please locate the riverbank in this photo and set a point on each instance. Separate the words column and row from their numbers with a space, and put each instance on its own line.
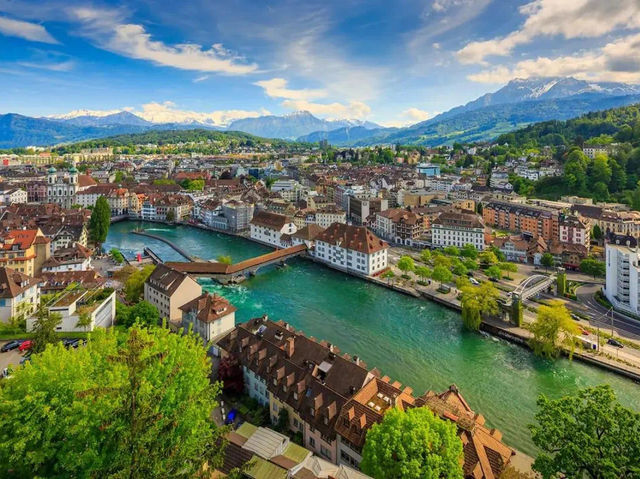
column 419, row 343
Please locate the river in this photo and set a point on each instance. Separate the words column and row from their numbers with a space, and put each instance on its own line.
column 416, row 342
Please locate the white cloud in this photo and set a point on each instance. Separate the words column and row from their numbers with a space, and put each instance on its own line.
column 410, row 116
column 25, row 30
column 63, row 66
column 277, row 88
column 616, row 61
column 108, row 30
column 100, row 113
column 568, row 18
column 331, row 111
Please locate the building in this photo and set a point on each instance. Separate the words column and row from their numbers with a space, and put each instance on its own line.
column 353, row 249
column 209, row 315
column 458, row 229
column 83, row 310
column 62, row 188
column 168, row 290
column 268, row 228
column 361, row 209
column 19, row 294
column 622, row 286
column 238, row 214
column 591, row 151
column 428, row 169
column 327, row 215
column 574, row 230
column 399, row 226
column 533, row 220
column 10, row 196
column 24, row 250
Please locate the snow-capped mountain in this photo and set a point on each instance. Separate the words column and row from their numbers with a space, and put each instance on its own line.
column 98, row 119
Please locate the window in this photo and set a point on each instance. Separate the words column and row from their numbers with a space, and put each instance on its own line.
column 312, row 442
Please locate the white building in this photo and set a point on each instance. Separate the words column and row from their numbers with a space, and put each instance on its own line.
column 62, row 188
column 268, row 228
column 19, row 294
column 458, row 229
column 13, row 195
column 623, row 274
column 168, row 290
column 209, row 315
column 288, row 189
column 353, row 249
column 96, row 307
column 326, row 216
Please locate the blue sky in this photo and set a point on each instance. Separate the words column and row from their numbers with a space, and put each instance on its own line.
column 391, row 62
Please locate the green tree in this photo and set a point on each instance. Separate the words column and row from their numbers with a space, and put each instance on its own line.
column 553, row 330
column 171, row 215
column 593, row 267
column 134, row 285
column 459, row 268
column 487, row 258
column 44, row 329
column 129, row 404
column 100, row 221
column 425, row 256
column 116, row 255
column 388, row 275
column 423, row 272
column 596, row 233
column 469, row 251
column 508, row 267
column 412, row 444
column 406, row 264
column 119, row 178
column 441, row 274
column 451, row 251
column 224, row 259
column 477, row 301
column 493, row 272
column 470, row 264
column 586, row 435
column 547, row 260
column 143, row 313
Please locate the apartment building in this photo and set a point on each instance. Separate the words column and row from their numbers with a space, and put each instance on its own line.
column 362, row 209
column 24, row 251
column 458, row 229
column 19, row 294
column 325, row 216
column 622, row 286
column 168, row 290
column 353, row 249
column 520, row 218
column 209, row 315
column 399, row 226
column 269, row 228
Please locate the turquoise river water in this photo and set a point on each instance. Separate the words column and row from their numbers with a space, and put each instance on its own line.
column 416, row 342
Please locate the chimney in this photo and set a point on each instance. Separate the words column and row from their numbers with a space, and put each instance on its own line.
column 289, row 346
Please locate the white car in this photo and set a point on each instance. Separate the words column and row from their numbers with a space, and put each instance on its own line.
column 474, row 281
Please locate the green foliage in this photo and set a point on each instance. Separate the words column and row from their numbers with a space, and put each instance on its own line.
column 224, row 259
column 488, row 258
column 171, row 215
column 44, row 329
column 593, row 267
column 388, row 275
column 470, row 264
column 441, row 274
column 129, row 404
column 459, row 268
column 143, row 313
column 478, row 301
column 547, row 260
column 116, row 255
column 508, row 267
column 425, row 256
column 451, row 251
column 423, row 272
column 561, row 283
column 100, row 221
column 406, row 264
column 469, row 251
column 493, row 272
column 586, row 435
column 412, row 444
column 596, row 233
column 193, row 185
column 553, row 330
column 134, row 285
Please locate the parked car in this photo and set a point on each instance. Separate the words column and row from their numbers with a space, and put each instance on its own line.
column 25, row 358
column 11, row 345
column 474, row 281
column 26, row 345
column 585, row 332
column 614, row 342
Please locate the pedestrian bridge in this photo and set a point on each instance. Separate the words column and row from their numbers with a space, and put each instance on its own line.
column 229, row 273
column 533, row 285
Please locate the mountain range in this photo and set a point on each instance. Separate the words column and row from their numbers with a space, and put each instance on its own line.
column 517, row 104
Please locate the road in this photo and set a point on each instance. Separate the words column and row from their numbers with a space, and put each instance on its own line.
column 621, row 323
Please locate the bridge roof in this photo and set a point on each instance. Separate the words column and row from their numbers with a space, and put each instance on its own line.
column 220, row 268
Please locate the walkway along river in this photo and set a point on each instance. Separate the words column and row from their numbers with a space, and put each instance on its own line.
column 416, row 342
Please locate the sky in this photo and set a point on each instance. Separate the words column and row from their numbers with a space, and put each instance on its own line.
column 392, row 62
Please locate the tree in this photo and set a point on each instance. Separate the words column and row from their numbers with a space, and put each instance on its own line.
column 459, row 268
column 412, row 444
column 388, row 275
column 596, row 233
column 469, row 251
column 593, row 267
column 225, row 259
column 100, row 221
column 508, row 268
column 493, row 272
column 477, row 301
column 553, row 330
column 406, row 264
column 547, row 260
column 470, row 264
column 425, row 256
column 587, row 434
column 116, row 255
column 134, row 285
column 129, row 404
column 441, row 274
column 44, row 329
column 423, row 272
column 451, row 251
column 171, row 215
column 143, row 313
column 487, row 258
